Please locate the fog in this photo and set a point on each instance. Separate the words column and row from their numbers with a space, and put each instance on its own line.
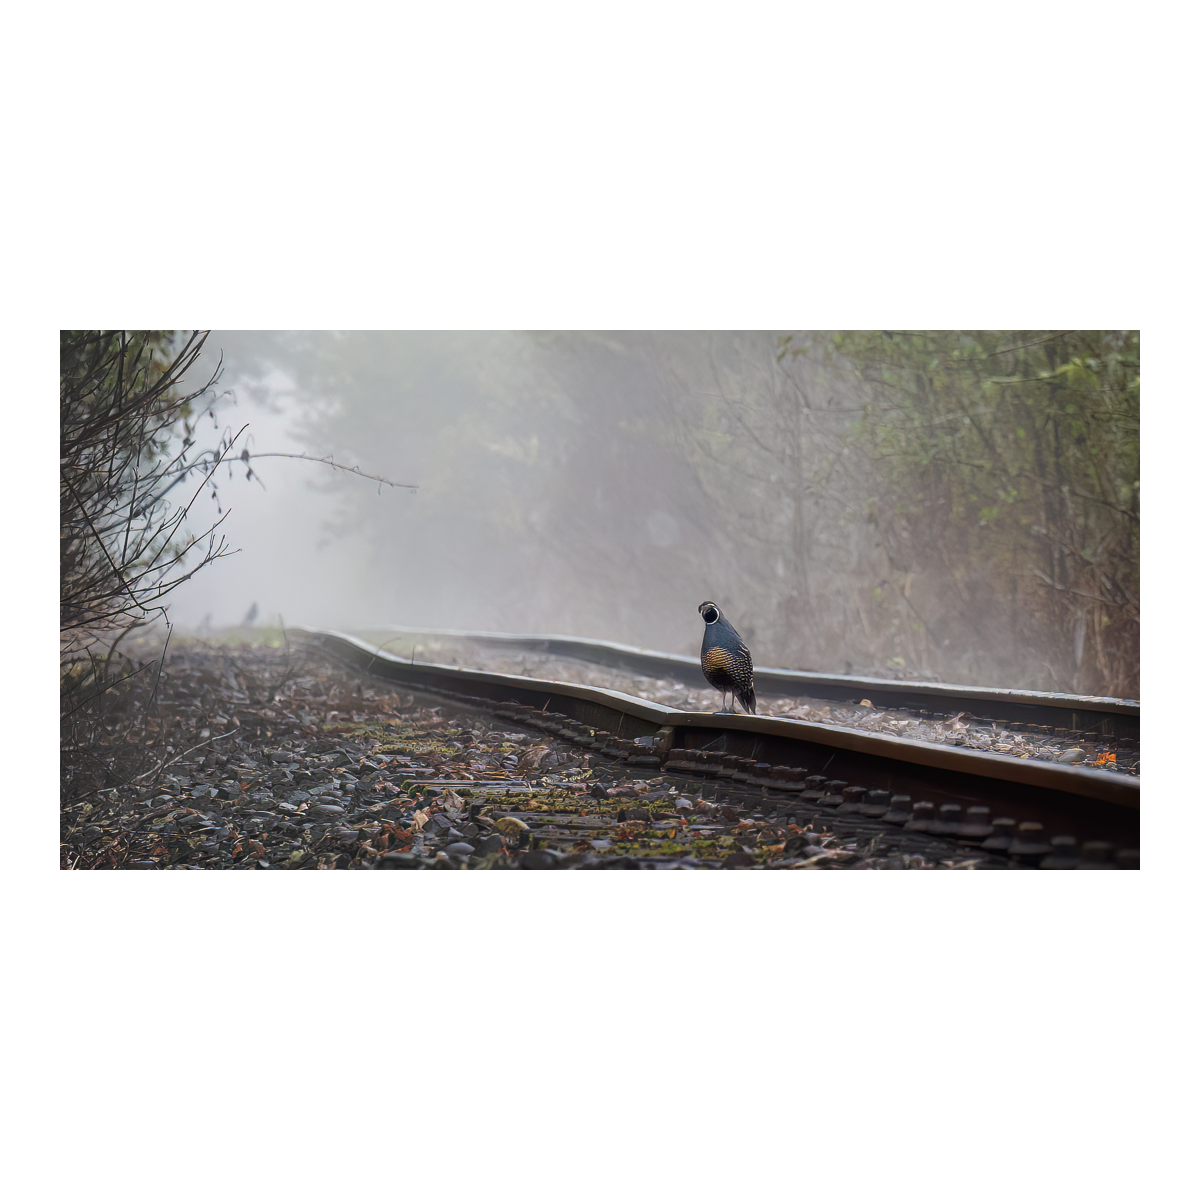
column 603, row 484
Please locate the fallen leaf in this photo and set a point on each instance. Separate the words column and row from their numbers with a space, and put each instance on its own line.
column 529, row 760
column 510, row 826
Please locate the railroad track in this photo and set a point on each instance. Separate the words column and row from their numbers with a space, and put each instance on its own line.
column 1053, row 712
column 1037, row 813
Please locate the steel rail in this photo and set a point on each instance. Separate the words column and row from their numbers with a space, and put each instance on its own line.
column 791, row 764
column 1101, row 715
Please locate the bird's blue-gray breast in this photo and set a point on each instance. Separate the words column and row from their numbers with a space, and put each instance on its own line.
column 725, row 658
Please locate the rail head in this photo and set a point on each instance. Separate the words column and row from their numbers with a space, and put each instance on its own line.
column 899, row 692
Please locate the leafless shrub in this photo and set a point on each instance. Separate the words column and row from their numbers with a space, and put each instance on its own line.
column 127, row 442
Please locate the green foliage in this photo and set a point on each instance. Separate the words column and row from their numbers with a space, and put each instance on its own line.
column 1018, row 449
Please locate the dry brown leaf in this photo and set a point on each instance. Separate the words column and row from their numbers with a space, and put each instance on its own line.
column 530, row 759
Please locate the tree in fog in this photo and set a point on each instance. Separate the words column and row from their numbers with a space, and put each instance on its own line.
column 760, row 430
column 1005, row 494
column 957, row 504
column 551, row 493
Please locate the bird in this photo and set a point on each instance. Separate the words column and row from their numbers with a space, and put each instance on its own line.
column 725, row 659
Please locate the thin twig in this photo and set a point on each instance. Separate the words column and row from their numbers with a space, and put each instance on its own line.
column 177, row 757
column 328, row 461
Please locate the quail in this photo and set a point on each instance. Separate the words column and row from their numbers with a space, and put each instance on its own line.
column 725, row 659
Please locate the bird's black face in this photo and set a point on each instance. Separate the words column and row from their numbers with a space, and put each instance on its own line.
column 710, row 612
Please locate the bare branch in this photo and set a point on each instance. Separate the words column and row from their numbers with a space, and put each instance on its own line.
column 328, row 461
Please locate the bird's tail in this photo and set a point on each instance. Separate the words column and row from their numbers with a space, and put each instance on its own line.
column 746, row 698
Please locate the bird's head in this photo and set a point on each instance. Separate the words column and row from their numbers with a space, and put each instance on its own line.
column 710, row 612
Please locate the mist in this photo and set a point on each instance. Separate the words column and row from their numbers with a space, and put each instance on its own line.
column 820, row 488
